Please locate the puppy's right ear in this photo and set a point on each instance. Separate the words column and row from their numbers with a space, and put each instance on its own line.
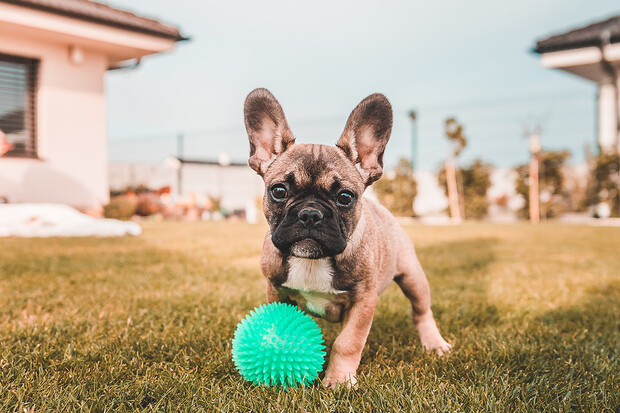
column 366, row 134
column 267, row 129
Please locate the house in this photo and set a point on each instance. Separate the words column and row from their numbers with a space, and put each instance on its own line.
column 591, row 52
column 54, row 55
column 234, row 184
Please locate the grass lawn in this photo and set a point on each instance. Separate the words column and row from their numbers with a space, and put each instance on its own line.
column 146, row 323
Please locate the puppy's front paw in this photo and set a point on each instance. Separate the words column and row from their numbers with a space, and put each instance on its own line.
column 332, row 380
column 437, row 344
column 431, row 337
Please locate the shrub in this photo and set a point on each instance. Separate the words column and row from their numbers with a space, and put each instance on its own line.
column 120, row 207
column 604, row 182
column 397, row 190
column 147, row 204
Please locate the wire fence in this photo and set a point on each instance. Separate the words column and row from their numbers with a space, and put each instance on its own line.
column 494, row 128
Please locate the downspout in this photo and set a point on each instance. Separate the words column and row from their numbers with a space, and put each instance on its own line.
column 611, row 72
column 125, row 66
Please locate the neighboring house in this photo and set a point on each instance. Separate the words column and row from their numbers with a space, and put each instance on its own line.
column 591, row 52
column 235, row 184
column 54, row 55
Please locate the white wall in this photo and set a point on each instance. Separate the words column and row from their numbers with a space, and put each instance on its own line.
column 236, row 186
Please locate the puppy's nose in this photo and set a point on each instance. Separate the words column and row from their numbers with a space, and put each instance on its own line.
column 310, row 217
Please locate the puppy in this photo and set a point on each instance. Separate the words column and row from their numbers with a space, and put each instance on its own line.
column 329, row 250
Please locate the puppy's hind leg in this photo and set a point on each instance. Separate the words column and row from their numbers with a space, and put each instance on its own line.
column 412, row 281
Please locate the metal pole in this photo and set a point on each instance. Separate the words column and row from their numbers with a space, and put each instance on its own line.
column 180, row 142
column 414, row 139
column 414, row 147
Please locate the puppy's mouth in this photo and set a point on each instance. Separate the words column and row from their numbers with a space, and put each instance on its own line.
column 307, row 248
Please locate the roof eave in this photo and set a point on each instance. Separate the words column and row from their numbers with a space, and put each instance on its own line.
column 177, row 37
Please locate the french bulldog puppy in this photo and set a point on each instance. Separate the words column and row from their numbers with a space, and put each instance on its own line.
column 329, row 250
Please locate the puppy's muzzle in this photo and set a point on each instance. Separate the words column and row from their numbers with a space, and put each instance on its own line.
column 310, row 217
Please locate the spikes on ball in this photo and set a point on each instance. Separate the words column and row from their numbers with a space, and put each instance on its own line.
column 278, row 343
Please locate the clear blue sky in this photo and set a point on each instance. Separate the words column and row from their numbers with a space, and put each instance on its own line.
column 470, row 59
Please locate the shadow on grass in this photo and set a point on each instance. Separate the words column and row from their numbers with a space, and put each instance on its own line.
column 457, row 299
column 598, row 312
column 563, row 360
column 570, row 354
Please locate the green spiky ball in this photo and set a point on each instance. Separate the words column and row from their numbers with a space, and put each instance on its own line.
column 278, row 343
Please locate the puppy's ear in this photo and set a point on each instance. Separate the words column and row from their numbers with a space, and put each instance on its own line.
column 366, row 134
column 267, row 129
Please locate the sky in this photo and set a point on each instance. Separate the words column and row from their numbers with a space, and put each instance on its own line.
column 466, row 59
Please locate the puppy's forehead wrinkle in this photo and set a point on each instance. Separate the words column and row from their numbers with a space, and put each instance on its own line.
column 317, row 166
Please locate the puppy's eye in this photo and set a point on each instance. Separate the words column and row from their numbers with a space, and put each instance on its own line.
column 344, row 198
column 279, row 192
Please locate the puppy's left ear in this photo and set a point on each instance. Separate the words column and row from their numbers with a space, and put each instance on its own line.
column 267, row 129
column 365, row 135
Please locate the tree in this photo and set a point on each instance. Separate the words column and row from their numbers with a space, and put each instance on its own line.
column 554, row 200
column 454, row 132
column 476, row 181
column 398, row 189
column 604, row 183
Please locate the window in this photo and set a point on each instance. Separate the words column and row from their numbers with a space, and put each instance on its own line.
column 17, row 106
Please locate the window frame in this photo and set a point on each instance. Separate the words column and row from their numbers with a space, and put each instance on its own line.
column 30, row 109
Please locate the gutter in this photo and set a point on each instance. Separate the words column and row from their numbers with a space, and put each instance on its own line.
column 136, row 62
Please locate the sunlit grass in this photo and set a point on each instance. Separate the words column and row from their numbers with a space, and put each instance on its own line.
column 146, row 323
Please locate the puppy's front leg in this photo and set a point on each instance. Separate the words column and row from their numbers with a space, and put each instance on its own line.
column 347, row 349
column 272, row 293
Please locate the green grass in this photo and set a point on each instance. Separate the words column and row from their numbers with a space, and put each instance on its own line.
column 146, row 323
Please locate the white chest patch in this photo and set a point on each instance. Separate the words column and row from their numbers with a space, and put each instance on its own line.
column 313, row 280
column 310, row 275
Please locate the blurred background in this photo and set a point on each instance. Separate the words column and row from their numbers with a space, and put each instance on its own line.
column 502, row 111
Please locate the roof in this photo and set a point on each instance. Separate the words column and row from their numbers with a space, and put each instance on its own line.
column 103, row 14
column 585, row 36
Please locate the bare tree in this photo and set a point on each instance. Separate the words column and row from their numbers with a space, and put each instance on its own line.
column 454, row 132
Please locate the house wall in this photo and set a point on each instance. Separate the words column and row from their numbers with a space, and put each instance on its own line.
column 71, row 127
